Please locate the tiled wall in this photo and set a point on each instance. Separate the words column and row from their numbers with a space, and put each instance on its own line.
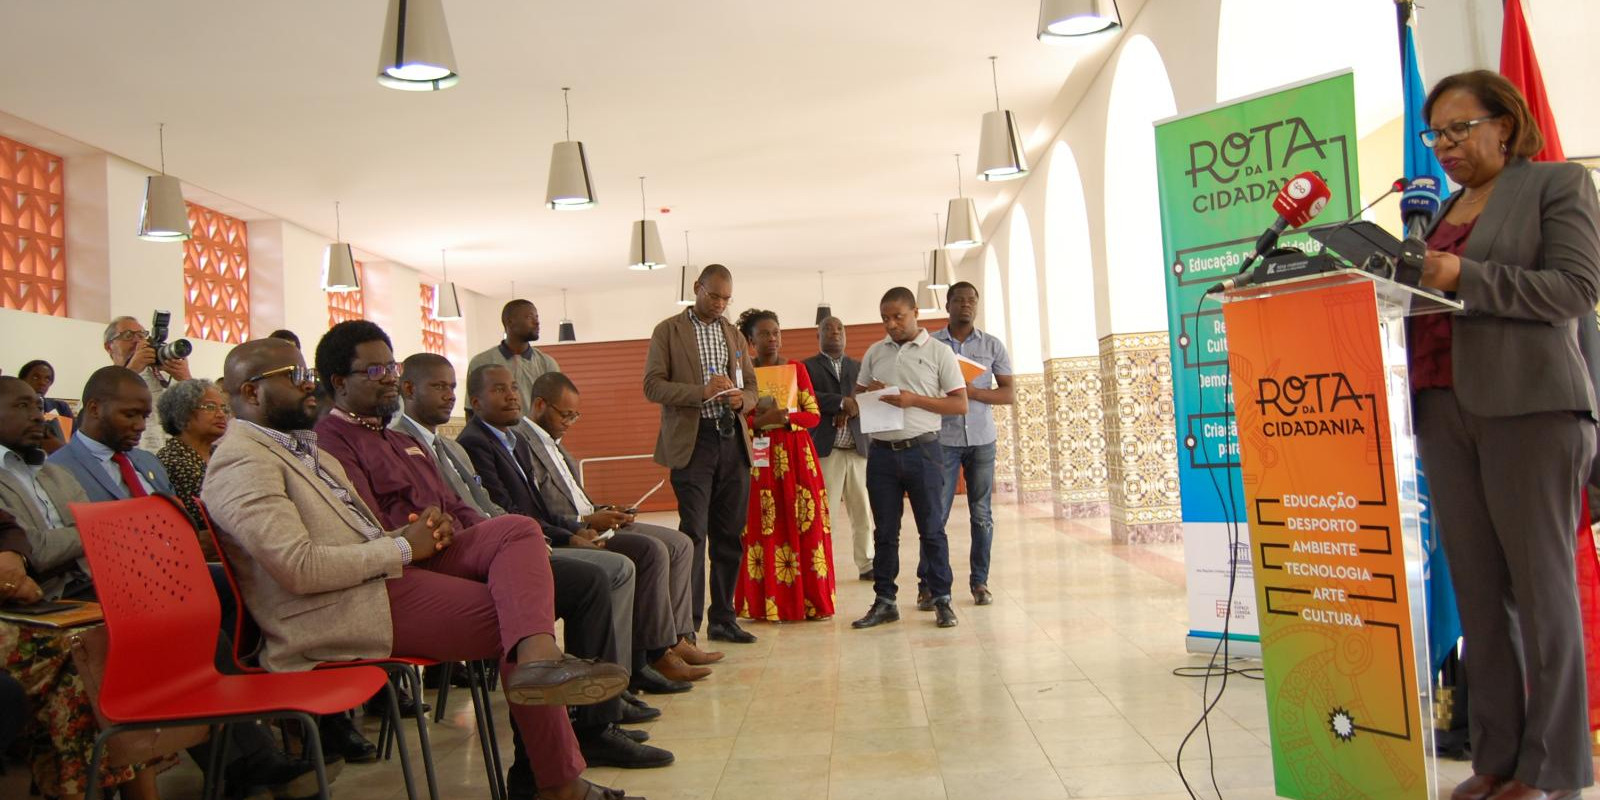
column 1077, row 437
column 1031, row 419
column 1141, row 444
column 1005, row 461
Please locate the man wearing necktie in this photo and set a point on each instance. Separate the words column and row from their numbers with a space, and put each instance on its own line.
column 104, row 453
column 428, row 387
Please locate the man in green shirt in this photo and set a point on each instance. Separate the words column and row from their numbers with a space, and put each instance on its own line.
column 520, row 318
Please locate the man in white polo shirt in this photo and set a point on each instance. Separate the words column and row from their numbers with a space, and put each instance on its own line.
column 908, row 461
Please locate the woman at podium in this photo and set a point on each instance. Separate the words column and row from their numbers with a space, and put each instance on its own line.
column 1505, row 419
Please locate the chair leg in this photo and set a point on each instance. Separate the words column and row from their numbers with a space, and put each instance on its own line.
column 423, row 742
column 483, row 709
column 392, row 693
column 313, row 744
column 446, row 670
column 219, row 758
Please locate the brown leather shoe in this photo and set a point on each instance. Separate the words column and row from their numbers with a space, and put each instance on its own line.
column 691, row 654
column 1517, row 790
column 1477, row 787
column 677, row 669
column 568, row 682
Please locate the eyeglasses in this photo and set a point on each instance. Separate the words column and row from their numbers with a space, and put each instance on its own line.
column 375, row 372
column 568, row 417
column 216, row 408
column 1455, row 132
column 299, row 376
column 127, row 336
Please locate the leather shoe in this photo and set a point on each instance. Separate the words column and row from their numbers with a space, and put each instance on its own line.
column 924, row 600
column 867, row 576
column 281, row 775
column 981, row 596
column 340, row 738
column 613, row 747
column 646, row 679
column 944, row 615
column 568, row 682
column 729, row 632
column 379, row 706
column 882, row 611
column 1517, row 790
column 675, row 669
column 692, row 654
column 635, row 711
column 1477, row 787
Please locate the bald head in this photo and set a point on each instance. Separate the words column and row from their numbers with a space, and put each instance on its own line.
column 21, row 415
column 12, row 387
column 253, row 358
column 830, row 336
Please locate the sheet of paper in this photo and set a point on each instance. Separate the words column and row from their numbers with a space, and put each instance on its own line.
column 878, row 416
column 646, row 495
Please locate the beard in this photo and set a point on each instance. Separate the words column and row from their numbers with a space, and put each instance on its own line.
column 387, row 409
column 291, row 418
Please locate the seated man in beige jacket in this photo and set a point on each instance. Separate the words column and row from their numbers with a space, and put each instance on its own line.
column 325, row 582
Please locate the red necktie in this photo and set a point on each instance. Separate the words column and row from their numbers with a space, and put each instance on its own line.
column 129, row 476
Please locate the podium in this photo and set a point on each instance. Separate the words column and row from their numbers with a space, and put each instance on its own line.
column 1322, row 404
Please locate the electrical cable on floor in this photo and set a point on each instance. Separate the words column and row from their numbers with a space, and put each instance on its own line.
column 1220, row 658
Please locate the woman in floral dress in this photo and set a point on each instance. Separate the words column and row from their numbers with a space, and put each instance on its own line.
column 788, row 540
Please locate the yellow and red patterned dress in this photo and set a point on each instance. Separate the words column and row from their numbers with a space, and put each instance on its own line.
column 788, row 540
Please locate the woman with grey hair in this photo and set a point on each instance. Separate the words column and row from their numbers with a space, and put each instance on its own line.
column 194, row 413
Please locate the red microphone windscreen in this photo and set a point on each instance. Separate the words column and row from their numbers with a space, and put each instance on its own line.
column 1302, row 198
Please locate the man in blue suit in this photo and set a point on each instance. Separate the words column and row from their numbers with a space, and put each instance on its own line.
column 104, row 453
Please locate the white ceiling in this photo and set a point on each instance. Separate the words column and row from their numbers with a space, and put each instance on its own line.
column 798, row 136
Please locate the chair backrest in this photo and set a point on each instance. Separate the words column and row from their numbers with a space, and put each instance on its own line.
column 246, row 634
column 161, row 609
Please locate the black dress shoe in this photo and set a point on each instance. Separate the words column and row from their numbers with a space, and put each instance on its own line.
column 729, row 632
column 867, row 576
column 944, row 615
column 647, row 679
column 282, row 776
column 981, row 595
column 612, row 747
column 882, row 611
column 378, row 706
column 924, row 600
column 340, row 738
column 635, row 711
column 638, row 736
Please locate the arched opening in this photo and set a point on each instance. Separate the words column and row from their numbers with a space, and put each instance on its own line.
column 1140, row 95
column 1022, row 268
column 1068, row 262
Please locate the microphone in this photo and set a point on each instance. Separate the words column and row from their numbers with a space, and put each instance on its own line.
column 1300, row 200
column 1419, row 205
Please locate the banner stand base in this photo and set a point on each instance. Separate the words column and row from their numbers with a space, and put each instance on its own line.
column 1204, row 645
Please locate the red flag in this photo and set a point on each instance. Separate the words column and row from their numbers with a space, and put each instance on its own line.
column 1519, row 64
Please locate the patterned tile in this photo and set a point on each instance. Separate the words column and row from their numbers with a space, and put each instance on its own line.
column 1077, row 437
column 1031, row 416
column 1141, row 443
column 1005, row 461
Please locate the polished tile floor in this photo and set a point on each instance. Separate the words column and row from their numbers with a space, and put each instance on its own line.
column 1063, row 688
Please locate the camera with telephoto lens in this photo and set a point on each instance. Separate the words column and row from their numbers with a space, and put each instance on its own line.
column 165, row 350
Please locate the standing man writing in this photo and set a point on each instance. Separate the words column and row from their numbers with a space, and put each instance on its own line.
column 703, row 438
column 841, row 445
column 968, row 441
column 908, row 462
column 520, row 319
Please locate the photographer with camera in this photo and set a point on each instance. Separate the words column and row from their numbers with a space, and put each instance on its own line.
column 158, row 361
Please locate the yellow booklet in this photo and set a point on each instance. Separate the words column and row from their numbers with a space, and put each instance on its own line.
column 781, row 384
column 56, row 614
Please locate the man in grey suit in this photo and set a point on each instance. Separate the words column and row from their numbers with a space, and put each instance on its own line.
column 664, row 604
column 841, row 446
column 37, row 495
column 104, row 453
column 428, row 389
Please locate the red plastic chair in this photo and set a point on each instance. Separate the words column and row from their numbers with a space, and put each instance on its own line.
column 246, row 642
column 162, row 617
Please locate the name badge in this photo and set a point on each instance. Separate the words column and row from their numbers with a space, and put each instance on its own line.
column 761, row 451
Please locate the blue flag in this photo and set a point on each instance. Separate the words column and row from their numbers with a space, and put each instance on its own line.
column 1444, row 621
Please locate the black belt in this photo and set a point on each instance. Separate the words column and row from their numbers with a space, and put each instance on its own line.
column 907, row 444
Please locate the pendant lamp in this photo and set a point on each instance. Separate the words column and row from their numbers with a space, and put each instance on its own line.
column 685, row 277
column 338, row 263
column 644, row 249
column 568, row 331
column 1060, row 20
column 415, row 54
column 164, row 217
column 938, row 260
column 1000, row 153
column 446, row 306
column 823, row 309
column 571, row 188
column 962, row 231
column 927, row 298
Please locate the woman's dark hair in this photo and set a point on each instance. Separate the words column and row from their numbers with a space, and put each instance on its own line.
column 33, row 365
column 748, row 320
column 1499, row 97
